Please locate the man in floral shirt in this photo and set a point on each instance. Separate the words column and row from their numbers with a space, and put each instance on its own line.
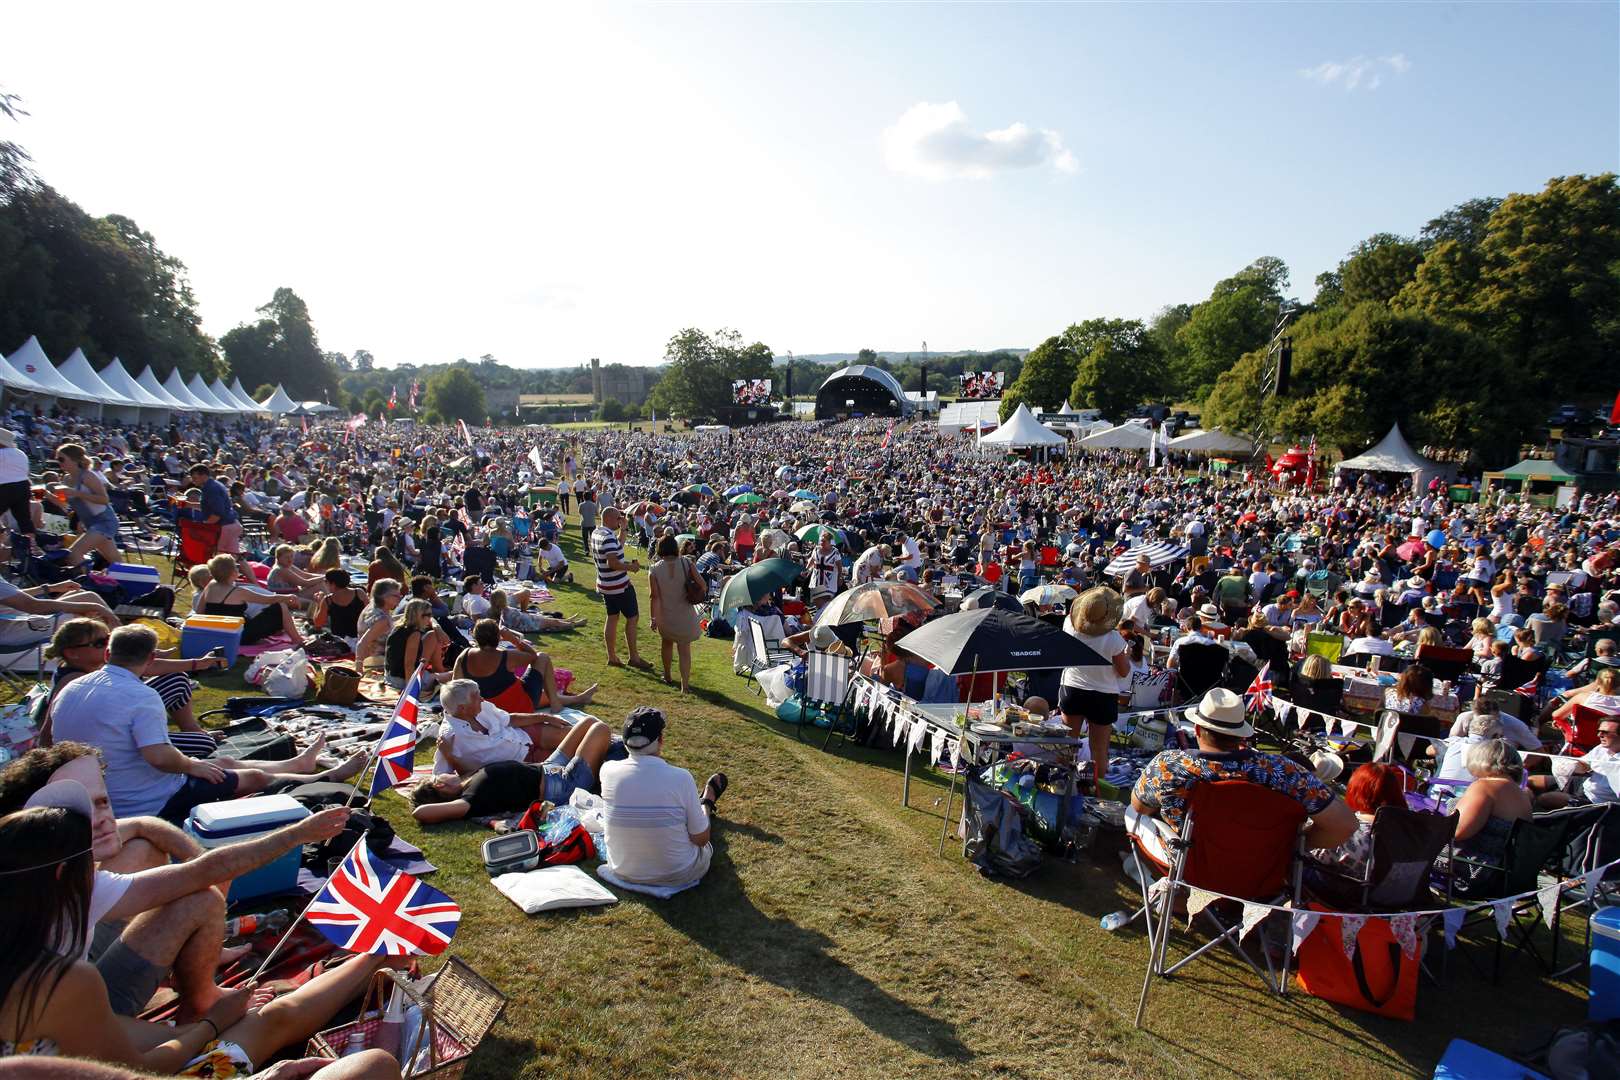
column 1159, row 800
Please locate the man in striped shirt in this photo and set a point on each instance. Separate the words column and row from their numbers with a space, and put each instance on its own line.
column 613, row 582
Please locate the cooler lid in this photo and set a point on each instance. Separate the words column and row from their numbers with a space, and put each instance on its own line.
column 215, row 622
column 235, row 815
column 1606, row 922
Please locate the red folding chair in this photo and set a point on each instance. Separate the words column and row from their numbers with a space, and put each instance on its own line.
column 1580, row 730
column 198, row 543
column 1049, row 556
column 1239, row 839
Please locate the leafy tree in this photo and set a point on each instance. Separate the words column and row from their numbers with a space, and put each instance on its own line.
column 701, row 368
column 339, row 362
column 1464, row 223
column 282, row 347
column 1119, row 373
column 363, row 360
column 1378, row 268
column 375, row 404
column 1047, row 374
column 1238, row 317
column 866, row 356
column 453, row 394
column 1163, row 330
column 612, row 409
column 263, row 392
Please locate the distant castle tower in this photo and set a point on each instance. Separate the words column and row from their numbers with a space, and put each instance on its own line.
column 596, row 380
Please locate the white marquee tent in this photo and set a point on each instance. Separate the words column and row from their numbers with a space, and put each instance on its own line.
column 176, row 388
column 148, row 381
column 278, row 403
column 243, row 396
column 972, row 415
column 1023, row 431
column 1123, row 437
column 31, row 361
column 223, row 393
column 13, row 378
column 199, row 390
column 1394, row 454
column 118, row 379
column 76, row 370
column 1213, row 441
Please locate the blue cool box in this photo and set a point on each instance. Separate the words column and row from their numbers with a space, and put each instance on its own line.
column 202, row 633
column 220, row 823
column 1603, row 995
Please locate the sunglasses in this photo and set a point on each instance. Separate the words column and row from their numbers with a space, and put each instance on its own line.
column 1608, row 732
column 93, row 643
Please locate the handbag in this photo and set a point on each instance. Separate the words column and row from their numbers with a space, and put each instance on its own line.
column 697, row 591
column 340, row 685
column 1376, row 977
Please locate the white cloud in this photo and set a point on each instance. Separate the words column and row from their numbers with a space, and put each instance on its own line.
column 1359, row 72
column 936, row 143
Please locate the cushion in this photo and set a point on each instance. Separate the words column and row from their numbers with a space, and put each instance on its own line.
column 553, row 887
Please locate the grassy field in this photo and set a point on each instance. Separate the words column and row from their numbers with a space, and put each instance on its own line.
column 829, row 939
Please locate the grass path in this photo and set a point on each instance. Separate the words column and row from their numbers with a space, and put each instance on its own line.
column 829, row 939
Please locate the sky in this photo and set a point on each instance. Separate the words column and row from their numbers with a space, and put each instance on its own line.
column 553, row 182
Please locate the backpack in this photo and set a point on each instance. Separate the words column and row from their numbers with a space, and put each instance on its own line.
column 994, row 827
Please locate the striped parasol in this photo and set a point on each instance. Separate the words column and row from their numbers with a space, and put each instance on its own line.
column 1160, row 554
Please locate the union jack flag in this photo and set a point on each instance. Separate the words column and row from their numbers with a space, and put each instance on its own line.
column 416, row 388
column 1258, row 696
column 396, row 753
column 1530, row 688
column 465, row 434
column 393, row 397
column 887, row 435
column 369, row 907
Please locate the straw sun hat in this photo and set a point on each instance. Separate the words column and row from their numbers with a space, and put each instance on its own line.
column 1096, row 611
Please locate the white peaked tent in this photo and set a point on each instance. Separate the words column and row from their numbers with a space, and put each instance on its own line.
column 13, row 377
column 199, row 390
column 76, row 370
column 223, row 392
column 148, row 381
column 117, row 378
column 1213, row 441
column 278, row 403
column 1022, row 431
column 176, row 388
column 1394, row 455
column 243, row 396
column 31, row 361
column 1123, row 437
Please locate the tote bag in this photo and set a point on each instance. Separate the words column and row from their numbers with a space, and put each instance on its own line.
column 1377, row 977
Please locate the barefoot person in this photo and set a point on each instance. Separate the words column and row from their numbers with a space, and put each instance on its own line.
column 507, row 787
column 153, row 906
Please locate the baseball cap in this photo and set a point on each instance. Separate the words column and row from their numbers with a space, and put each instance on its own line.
column 643, row 727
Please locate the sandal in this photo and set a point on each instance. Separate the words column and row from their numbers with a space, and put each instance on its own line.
column 719, row 783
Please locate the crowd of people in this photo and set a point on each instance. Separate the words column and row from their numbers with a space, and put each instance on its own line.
column 422, row 549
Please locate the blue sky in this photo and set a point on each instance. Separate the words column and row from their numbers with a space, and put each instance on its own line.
column 550, row 183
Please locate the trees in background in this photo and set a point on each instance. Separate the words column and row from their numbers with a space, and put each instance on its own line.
column 453, row 394
column 700, row 368
column 281, row 347
column 1239, row 316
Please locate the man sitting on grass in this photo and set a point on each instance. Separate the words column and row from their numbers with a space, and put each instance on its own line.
column 658, row 829
column 475, row 733
column 507, row 787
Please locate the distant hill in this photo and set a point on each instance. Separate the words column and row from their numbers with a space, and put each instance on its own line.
column 839, row 359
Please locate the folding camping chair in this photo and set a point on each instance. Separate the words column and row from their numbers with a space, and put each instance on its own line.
column 825, row 691
column 1405, row 844
column 767, row 654
column 1586, row 847
column 1328, row 646
column 1199, row 667
column 198, row 542
column 1580, row 730
column 1323, row 696
column 1531, row 846
column 1447, row 664
column 1239, row 839
column 21, row 636
column 1425, row 728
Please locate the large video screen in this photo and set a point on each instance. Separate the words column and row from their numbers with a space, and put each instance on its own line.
column 751, row 392
column 980, row 385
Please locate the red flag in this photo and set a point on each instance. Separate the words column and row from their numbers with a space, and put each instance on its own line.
column 393, row 398
column 1614, row 413
column 887, row 435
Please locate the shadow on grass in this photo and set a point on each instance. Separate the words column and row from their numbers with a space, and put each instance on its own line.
column 785, row 954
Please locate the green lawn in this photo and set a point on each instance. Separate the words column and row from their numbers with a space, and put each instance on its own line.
column 830, row 940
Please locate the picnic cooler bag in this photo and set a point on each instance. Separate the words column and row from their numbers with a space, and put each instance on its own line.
column 200, row 633
column 219, row 823
column 455, row 1008
column 1603, row 990
column 1377, row 977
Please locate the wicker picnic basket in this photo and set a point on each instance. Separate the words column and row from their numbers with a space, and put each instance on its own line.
column 458, row 1009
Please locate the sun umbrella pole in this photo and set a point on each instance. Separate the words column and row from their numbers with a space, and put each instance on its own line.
column 950, row 790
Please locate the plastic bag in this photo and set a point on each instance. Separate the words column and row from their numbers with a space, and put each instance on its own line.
column 590, row 810
column 264, row 664
column 774, row 681
column 290, row 678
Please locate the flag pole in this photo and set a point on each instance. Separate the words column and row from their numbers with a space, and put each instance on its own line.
column 376, row 752
column 288, row 933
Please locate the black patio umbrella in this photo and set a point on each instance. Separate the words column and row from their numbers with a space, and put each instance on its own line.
column 991, row 639
column 988, row 596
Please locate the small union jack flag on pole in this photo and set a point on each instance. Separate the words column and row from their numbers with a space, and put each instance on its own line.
column 396, row 753
column 1258, row 695
column 368, row 906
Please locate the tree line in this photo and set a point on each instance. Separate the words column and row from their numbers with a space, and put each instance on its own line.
column 1464, row 334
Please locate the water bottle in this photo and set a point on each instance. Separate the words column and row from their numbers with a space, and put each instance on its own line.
column 247, row 925
column 1114, row 920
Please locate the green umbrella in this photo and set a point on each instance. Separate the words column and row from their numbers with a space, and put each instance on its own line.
column 811, row 534
column 746, row 498
column 700, row 489
column 750, row 585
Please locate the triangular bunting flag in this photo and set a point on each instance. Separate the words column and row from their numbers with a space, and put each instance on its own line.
column 936, row 739
column 1404, row 929
column 1503, row 910
column 1452, row 919
column 1253, row 916
column 918, row 730
column 1406, row 743
column 1349, row 929
column 1197, row 900
column 1547, row 897
column 1304, row 923
column 1593, row 878
column 899, row 732
column 1347, row 727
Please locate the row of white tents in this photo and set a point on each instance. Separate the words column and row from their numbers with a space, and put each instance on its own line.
column 114, row 394
column 1022, row 431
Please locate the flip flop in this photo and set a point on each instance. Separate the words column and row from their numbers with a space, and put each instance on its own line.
column 719, row 783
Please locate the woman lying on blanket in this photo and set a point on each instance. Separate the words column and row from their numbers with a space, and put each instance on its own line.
column 526, row 622
column 53, row 1003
